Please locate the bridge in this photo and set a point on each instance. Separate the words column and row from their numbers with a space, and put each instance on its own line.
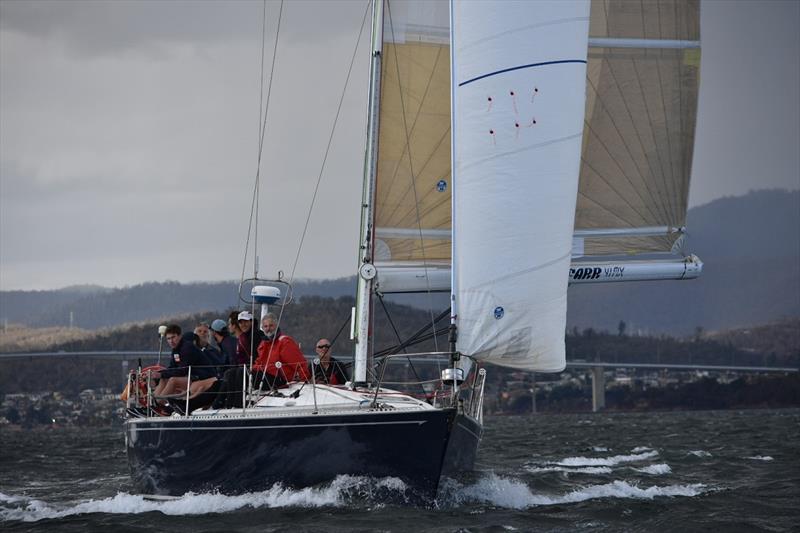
column 599, row 379
column 598, row 369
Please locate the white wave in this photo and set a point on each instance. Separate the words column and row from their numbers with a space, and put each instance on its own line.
column 204, row 503
column 606, row 461
column 623, row 489
column 499, row 491
column 599, row 449
column 509, row 493
column 577, row 470
column 640, row 449
column 699, row 453
column 760, row 458
column 7, row 498
column 655, row 470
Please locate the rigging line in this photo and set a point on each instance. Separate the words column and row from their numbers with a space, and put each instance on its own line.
column 257, row 187
column 264, row 132
column 653, row 196
column 322, row 168
column 328, row 147
column 417, row 336
column 413, row 180
column 399, row 340
column 263, row 124
column 418, row 340
column 327, row 151
column 347, row 321
column 614, row 159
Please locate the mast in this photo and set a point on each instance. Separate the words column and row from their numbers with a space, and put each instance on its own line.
column 366, row 269
column 453, row 332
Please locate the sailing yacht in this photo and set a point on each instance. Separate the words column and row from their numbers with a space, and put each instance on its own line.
column 508, row 155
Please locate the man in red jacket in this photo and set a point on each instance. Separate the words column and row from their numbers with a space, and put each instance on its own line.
column 277, row 347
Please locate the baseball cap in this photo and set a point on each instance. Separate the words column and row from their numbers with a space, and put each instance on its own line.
column 218, row 325
column 245, row 315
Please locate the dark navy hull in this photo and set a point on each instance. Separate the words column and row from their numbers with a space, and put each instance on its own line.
column 242, row 454
column 462, row 446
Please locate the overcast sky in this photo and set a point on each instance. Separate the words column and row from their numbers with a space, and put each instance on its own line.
column 129, row 133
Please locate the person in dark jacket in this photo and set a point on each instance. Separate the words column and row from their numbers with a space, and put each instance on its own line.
column 203, row 341
column 249, row 339
column 226, row 343
column 329, row 370
column 185, row 354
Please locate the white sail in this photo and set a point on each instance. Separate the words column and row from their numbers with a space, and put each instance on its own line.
column 519, row 77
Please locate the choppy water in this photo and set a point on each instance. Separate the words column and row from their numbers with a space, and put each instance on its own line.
column 720, row 470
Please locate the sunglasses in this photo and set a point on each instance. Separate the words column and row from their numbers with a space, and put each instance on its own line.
column 323, row 346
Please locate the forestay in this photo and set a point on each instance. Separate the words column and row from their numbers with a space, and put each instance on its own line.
column 519, row 81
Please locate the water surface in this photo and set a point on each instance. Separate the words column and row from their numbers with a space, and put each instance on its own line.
column 726, row 470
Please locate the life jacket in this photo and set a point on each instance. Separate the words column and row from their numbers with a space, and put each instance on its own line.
column 140, row 384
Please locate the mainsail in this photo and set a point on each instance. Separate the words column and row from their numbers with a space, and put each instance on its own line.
column 641, row 108
column 412, row 208
column 639, row 103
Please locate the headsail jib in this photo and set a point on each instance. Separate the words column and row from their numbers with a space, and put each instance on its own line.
column 518, row 118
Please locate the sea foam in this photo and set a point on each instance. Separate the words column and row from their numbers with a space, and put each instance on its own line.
column 510, row 493
column 606, row 461
column 576, row 470
column 655, row 470
column 699, row 453
column 335, row 494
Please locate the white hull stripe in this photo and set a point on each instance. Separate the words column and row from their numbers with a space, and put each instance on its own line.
column 292, row 426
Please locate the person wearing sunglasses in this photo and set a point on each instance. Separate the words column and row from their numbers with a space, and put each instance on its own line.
column 329, row 370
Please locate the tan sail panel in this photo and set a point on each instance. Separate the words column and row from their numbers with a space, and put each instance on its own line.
column 413, row 177
column 640, row 121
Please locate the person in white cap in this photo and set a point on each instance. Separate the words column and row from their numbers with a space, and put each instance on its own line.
column 249, row 339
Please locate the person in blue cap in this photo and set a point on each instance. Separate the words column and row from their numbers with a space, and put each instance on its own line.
column 226, row 342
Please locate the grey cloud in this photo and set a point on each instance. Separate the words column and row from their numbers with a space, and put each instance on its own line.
column 102, row 28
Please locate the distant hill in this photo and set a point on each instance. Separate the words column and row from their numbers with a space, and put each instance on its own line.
column 307, row 320
column 100, row 307
column 750, row 246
